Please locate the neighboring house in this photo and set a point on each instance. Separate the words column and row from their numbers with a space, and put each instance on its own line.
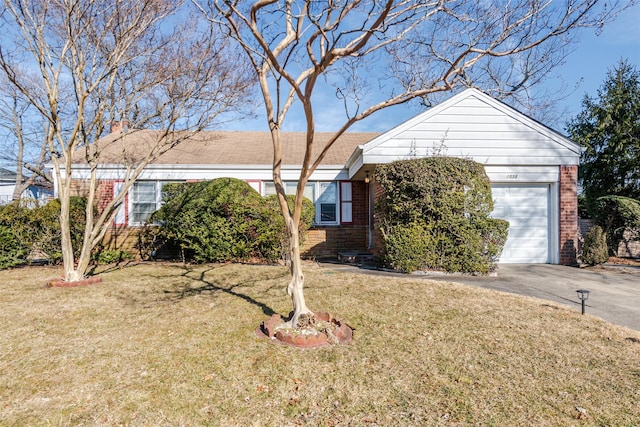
column 34, row 192
column 533, row 171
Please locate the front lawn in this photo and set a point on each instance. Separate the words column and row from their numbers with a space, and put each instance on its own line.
column 165, row 344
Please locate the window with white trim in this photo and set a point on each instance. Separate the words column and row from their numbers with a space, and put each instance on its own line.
column 145, row 198
column 324, row 195
column 327, row 202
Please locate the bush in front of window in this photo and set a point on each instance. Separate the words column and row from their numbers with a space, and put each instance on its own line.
column 224, row 219
column 434, row 215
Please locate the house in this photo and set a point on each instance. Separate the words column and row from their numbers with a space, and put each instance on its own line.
column 37, row 191
column 533, row 171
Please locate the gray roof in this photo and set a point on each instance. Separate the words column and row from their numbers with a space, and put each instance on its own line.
column 225, row 148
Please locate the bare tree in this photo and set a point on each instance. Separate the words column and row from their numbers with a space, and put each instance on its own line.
column 376, row 54
column 22, row 142
column 150, row 64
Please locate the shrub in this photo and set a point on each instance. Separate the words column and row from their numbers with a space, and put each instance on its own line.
column 617, row 214
column 275, row 242
column 594, row 250
column 111, row 256
column 11, row 251
column 435, row 187
column 220, row 220
column 409, row 247
column 434, row 216
column 37, row 228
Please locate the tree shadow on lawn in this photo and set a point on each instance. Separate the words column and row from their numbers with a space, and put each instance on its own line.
column 207, row 286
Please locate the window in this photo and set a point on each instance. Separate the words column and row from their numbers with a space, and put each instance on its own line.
column 145, row 198
column 290, row 188
column 324, row 194
column 327, row 202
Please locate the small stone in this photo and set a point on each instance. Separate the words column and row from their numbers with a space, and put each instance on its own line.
column 269, row 325
column 323, row 316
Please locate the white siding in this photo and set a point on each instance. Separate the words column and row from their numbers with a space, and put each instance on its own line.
column 473, row 126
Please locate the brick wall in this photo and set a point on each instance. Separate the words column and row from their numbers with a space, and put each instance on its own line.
column 568, row 215
column 122, row 238
column 105, row 193
column 629, row 247
column 79, row 188
column 360, row 195
column 328, row 241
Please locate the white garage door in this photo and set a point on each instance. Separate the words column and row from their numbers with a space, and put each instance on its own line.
column 526, row 207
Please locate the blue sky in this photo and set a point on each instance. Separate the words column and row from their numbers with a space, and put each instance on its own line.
column 586, row 68
column 583, row 72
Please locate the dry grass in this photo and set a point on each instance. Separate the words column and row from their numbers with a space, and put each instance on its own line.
column 159, row 344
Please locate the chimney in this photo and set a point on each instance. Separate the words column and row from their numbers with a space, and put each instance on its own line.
column 119, row 126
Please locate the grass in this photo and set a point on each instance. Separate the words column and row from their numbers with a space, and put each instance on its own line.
column 165, row 344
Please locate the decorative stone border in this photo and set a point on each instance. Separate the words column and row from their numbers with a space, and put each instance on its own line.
column 331, row 331
column 61, row 283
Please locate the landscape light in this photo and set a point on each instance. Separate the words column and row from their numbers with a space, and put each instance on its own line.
column 583, row 294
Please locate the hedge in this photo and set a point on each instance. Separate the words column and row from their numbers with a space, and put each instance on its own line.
column 434, row 215
column 34, row 230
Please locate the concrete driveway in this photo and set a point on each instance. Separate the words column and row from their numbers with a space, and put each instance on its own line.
column 615, row 291
column 614, row 297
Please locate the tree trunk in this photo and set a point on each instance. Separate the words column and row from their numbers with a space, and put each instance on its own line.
column 71, row 274
column 296, row 285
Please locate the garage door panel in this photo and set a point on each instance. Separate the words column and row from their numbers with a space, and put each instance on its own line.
column 526, row 207
column 533, row 222
column 529, row 256
column 527, row 232
column 529, row 244
column 529, row 216
column 528, row 211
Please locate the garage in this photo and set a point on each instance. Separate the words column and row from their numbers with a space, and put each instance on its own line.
column 526, row 207
column 532, row 168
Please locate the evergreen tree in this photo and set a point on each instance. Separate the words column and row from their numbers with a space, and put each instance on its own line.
column 609, row 130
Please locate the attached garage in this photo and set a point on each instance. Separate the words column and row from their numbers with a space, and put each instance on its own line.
column 527, row 209
column 533, row 169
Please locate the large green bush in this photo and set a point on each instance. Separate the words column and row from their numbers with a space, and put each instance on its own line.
column 220, row 220
column 35, row 229
column 434, row 215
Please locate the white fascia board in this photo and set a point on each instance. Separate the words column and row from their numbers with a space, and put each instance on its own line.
column 355, row 156
column 380, row 159
column 203, row 172
column 356, row 166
